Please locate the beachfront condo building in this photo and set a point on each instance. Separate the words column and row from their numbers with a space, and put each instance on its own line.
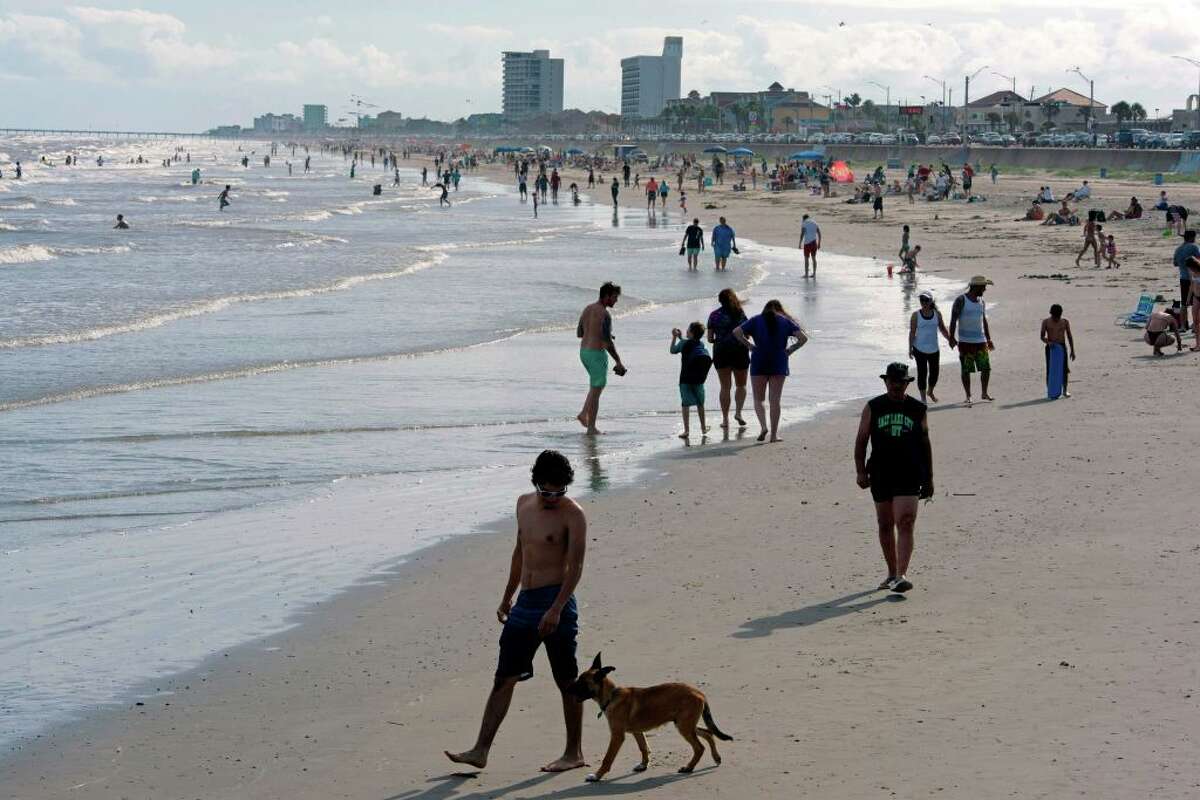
column 648, row 82
column 315, row 117
column 533, row 84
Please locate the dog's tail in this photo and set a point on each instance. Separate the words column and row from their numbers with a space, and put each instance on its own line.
column 712, row 726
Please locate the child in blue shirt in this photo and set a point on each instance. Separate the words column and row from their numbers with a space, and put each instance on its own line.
column 694, row 365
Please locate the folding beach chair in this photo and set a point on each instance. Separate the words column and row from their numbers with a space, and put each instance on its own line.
column 1140, row 316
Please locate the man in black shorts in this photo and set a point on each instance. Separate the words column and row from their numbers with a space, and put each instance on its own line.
column 547, row 563
column 693, row 243
column 900, row 471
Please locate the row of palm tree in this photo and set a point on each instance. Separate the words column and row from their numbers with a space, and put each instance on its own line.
column 1128, row 111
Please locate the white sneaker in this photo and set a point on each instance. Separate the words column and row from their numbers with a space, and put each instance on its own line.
column 901, row 585
column 888, row 582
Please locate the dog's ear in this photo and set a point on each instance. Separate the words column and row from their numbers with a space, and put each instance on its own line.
column 596, row 662
column 605, row 670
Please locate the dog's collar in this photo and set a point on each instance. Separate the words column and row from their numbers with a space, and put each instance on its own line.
column 604, row 705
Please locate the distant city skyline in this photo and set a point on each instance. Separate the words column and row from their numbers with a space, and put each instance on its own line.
column 166, row 64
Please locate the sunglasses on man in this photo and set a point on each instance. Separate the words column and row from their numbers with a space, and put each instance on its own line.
column 548, row 494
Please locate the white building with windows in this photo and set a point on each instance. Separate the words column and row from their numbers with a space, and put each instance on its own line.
column 648, row 82
column 533, row 84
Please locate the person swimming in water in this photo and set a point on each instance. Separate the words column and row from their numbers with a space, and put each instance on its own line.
column 121, row 223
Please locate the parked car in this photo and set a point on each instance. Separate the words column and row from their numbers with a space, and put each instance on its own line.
column 952, row 138
column 1007, row 140
column 1191, row 140
column 816, row 138
column 1142, row 138
column 933, row 138
column 909, row 138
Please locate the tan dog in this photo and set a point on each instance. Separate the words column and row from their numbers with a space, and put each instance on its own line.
column 634, row 710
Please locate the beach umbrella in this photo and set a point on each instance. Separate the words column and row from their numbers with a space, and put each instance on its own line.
column 574, row 151
column 741, row 151
column 507, row 149
column 716, row 148
column 806, row 155
column 841, row 173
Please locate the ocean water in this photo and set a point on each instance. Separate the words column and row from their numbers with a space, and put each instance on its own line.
column 188, row 407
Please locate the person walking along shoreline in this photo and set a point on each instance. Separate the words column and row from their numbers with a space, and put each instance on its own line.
column 899, row 472
column 769, row 353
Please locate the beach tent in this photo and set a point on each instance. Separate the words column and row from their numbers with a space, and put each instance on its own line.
column 806, row 155
column 741, row 151
column 841, row 173
column 716, row 148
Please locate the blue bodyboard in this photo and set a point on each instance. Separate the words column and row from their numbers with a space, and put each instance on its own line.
column 1056, row 367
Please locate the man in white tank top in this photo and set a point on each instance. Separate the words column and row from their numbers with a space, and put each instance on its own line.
column 969, row 327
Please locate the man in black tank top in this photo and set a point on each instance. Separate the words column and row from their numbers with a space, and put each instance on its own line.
column 900, row 470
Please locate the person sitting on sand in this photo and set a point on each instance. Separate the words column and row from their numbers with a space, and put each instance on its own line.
column 1033, row 214
column 121, row 223
column 1162, row 330
column 1134, row 211
column 1046, row 195
column 694, row 364
column 1065, row 215
column 547, row 564
column 1082, row 193
column 1162, row 203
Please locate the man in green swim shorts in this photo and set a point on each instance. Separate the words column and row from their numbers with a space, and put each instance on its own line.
column 596, row 343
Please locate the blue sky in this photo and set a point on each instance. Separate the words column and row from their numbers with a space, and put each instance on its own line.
column 189, row 65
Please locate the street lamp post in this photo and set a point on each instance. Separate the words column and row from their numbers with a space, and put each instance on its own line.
column 966, row 99
column 888, row 91
column 1007, row 78
column 1091, row 102
column 1194, row 63
column 833, row 111
column 942, row 84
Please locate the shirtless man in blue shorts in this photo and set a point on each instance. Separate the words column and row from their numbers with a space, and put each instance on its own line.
column 547, row 563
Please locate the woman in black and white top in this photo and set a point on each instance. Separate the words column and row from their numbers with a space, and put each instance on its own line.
column 923, row 330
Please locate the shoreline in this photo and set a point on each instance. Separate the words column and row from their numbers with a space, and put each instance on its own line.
column 1046, row 648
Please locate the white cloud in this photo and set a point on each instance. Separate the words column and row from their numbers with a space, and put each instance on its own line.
column 439, row 66
column 40, row 46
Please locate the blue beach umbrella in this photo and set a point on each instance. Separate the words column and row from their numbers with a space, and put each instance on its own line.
column 573, row 151
column 806, row 155
column 716, row 148
column 741, row 151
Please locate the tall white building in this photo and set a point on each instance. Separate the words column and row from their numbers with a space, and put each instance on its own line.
column 533, row 84
column 648, row 82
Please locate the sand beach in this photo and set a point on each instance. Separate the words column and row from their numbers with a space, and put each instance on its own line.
column 1047, row 649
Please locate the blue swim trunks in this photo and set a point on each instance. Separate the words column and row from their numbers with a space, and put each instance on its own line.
column 721, row 252
column 519, row 640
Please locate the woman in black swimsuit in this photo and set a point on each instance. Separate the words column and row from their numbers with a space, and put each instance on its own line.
column 730, row 358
